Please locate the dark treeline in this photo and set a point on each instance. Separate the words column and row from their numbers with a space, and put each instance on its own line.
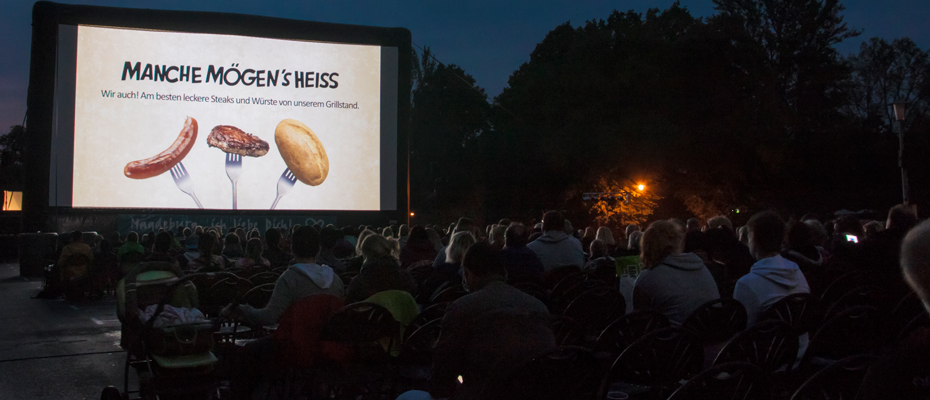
column 751, row 108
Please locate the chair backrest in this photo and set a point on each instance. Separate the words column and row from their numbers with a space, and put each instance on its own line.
column 840, row 286
column 553, row 277
column 595, row 308
column 228, row 290
column 866, row 295
column 299, row 332
column 429, row 314
column 733, row 380
column 851, row 332
column 534, row 290
column 798, row 310
column 417, row 347
column 841, row 380
column 567, row 372
column 907, row 308
column 448, row 295
column 623, row 331
column 262, row 278
column 920, row 321
column 559, row 292
column 259, row 295
column 717, row 320
column 767, row 344
column 659, row 358
column 420, row 270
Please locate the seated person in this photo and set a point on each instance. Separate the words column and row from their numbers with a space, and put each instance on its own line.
column 305, row 278
column 448, row 272
column 522, row 263
column 232, row 247
column 329, row 236
column 206, row 261
column 601, row 265
column 417, row 248
column 488, row 331
column 273, row 253
column 253, row 260
column 772, row 277
column 904, row 373
column 380, row 271
column 672, row 282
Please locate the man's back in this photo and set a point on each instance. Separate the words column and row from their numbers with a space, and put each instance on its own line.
column 489, row 331
column 770, row 280
column 557, row 249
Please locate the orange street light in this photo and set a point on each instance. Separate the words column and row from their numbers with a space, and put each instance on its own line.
column 641, row 187
column 411, row 213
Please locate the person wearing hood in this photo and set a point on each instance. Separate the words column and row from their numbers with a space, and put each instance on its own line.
column 304, row 278
column 555, row 248
column 772, row 277
column 672, row 283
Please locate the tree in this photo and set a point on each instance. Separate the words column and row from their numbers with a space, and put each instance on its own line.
column 449, row 112
column 11, row 158
column 622, row 203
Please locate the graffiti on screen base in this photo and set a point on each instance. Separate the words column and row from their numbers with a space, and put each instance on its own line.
column 146, row 223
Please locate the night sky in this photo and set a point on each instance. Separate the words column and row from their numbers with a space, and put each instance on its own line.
column 488, row 39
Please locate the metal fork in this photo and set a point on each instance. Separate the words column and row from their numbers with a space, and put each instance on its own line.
column 233, row 170
column 285, row 183
column 184, row 182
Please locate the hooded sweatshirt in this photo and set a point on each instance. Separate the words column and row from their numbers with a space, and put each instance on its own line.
column 556, row 249
column 297, row 282
column 676, row 287
column 769, row 280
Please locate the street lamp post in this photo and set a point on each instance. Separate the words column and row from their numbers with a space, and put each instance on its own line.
column 900, row 107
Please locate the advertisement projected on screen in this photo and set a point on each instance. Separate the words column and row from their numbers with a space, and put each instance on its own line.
column 191, row 120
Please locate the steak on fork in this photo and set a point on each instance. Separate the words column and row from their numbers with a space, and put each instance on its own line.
column 233, row 140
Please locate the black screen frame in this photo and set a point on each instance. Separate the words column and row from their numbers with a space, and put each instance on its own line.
column 48, row 16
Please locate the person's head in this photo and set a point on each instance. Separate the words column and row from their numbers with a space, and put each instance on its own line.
column 361, row 239
column 255, row 234
column 718, row 221
column 694, row 224
column 434, row 238
column 820, row 232
column 589, row 233
column 915, row 261
column 272, row 237
column 418, row 234
column 569, row 229
column 387, row 232
column 482, row 263
column 766, row 234
column 186, row 233
column 205, row 244
column 375, row 245
column 132, row 237
column 631, row 228
column 553, row 221
column 800, row 237
column 198, row 230
column 660, row 240
column 460, row 242
column 605, row 235
column 516, row 235
column 404, row 230
column 232, row 239
column 598, row 248
column 463, row 225
column 328, row 238
column 305, row 243
column 872, row 227
column 635, row 241
column 742, row 233
column 253, row 249
column 181, row 229
column 497, row 236
column 901, row 217
column 76, row 236
column 162, row 243
column 504, row 222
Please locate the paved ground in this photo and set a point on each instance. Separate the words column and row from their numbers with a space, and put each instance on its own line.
column 55, row 349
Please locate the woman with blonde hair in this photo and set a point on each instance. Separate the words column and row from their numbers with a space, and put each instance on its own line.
column 673, row 283
column 451, row 270
column 604, row 233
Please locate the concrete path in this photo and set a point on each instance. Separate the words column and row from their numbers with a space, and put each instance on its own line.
column 56, row 349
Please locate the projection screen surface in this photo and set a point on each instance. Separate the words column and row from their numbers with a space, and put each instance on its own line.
column 158, row 119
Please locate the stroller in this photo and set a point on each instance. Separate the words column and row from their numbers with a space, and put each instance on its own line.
column 173, row 361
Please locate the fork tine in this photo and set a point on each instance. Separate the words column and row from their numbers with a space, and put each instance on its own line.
column 183, row 170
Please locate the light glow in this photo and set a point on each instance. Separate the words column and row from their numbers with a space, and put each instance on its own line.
column 641, row 187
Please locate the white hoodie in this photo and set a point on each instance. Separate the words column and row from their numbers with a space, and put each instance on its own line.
column 769, row 280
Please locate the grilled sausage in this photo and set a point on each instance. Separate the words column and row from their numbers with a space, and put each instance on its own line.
column 162, row 162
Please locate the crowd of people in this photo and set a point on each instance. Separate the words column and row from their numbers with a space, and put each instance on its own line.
column 683, row 264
